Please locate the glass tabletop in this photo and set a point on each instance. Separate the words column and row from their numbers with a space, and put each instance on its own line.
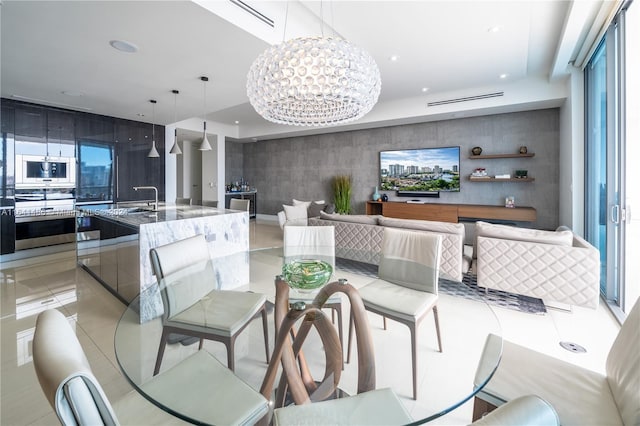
column 464, row 326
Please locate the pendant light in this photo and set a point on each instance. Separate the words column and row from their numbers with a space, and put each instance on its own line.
column 175, row 149
column 153, row 153
column 205, row 145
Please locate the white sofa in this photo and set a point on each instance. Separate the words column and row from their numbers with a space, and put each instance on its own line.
column 359, row 237
column 555, row 266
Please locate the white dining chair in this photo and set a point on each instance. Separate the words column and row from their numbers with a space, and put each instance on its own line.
column 75, row 394
column 238, row 204
column 200, row 310
column 407, row 288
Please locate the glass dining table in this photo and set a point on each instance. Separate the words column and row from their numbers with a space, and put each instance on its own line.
column 446, row 379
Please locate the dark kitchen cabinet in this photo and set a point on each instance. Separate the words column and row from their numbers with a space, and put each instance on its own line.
column 110, row 252
column 133, row 167
column 61, row 140
column 31, row 130
column 97, row 128
column 7, row 181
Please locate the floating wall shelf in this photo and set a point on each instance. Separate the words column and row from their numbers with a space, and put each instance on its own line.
column 490, row 156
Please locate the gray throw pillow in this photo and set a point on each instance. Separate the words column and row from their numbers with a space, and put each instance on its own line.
column 315, row 209
column 330, row 208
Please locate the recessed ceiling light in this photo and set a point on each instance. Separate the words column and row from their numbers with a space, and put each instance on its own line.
column 72, row 93
column 503, row 76
column 425, row 89
column 393, row 58
column 123, row 46
column 493, row 29
column 140, row 114
column 237, row 122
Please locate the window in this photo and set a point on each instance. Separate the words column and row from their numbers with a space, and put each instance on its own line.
column 95, row 172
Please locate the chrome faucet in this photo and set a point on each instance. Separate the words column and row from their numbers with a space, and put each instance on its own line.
column 155, row 205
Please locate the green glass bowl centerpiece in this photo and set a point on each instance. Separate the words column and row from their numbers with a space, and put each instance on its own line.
column 306, row 274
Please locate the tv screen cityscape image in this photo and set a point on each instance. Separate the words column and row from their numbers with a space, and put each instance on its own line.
column 426, row 169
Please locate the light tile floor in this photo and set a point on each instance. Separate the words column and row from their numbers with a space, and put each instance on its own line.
column 28, row 287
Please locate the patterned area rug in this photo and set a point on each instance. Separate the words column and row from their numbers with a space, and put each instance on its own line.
column 468, row 289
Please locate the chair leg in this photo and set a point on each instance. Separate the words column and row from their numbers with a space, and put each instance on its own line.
column 435, row 317
column 350, row 336
column 163, row 344
column 414, row 358
column 201, row 343
column 384, row 322
column 265, row 332
column 230, row 353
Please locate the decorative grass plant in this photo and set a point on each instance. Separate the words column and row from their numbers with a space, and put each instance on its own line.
column 342, row 193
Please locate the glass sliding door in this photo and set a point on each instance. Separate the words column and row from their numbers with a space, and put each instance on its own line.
column 612, row 130
column 599, row 189
column 630, row 81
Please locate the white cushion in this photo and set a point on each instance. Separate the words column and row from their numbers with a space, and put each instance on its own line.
column 423, row 225
column 296, row 213
column 306, row 203
column 561, row 238
column 580, row 396
column 200, row 378
column 223, row 312
column 353, row 218
column 376, row 407
column 397, row 300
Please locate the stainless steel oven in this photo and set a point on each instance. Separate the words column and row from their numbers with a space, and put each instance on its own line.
column 44, row 217
column 45, row 171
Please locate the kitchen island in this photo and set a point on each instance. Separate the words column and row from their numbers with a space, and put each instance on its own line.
column 113, row 243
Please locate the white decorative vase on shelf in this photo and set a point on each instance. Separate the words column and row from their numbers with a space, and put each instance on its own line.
column 376, row 194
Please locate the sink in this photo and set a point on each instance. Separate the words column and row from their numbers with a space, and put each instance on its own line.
column 132, row 210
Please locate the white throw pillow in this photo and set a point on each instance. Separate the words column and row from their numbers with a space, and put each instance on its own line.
column 296, row 212
column 306, row 203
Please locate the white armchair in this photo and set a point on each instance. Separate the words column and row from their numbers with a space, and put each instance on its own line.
column 580, row 396
column 553, row 266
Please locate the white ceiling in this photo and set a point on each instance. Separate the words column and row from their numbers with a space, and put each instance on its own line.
column 52, row 46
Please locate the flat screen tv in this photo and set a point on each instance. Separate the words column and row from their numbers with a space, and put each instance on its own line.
column 424, row 171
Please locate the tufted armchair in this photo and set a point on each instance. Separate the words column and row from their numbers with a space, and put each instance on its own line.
column 555, row 266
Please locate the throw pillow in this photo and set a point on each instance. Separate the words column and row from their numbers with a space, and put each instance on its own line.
column 314, row 209
column 297, row 213
column 330, row 208
column 306, row 203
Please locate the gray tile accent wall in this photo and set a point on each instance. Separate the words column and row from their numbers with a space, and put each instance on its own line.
column 233, row 167
column 302, row 167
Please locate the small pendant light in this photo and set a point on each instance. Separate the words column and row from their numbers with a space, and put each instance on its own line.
column 205, row 145
column 175, row 149
column 153, row 153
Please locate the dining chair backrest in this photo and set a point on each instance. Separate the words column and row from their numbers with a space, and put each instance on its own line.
column 311, row 242
column 210, row 203
column 411, row 259
column 65, row 375
column 238, row 204
column 183, row 201
column 184, row 257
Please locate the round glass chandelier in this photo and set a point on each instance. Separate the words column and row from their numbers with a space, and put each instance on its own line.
column 313, row 81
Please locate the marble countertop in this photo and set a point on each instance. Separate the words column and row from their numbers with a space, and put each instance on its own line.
column 136, row 214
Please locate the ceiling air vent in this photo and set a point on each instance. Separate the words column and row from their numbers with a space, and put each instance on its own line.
column 249, row 9
column 465, row 99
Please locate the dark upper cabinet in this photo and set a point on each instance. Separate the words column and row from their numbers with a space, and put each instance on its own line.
column 93, row 127
column 61, row 140
column 31, row 130
column 134, row 168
